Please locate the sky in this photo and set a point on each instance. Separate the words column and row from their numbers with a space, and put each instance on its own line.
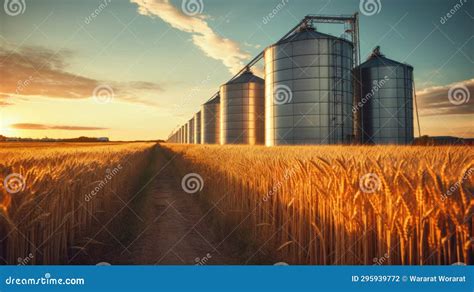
column 137, row 69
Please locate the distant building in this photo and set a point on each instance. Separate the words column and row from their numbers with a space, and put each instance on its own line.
column 103, row 139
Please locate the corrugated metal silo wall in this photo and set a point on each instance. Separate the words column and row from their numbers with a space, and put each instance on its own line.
column 197, row 128
column 186, row 131
column 210, row 123
column 191, row 131
column 356, row 108
column 387, row 114
column 308, row 92
column 242, row 113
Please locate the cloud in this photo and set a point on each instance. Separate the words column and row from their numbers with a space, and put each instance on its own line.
column 4, row 100
column 223, row 49
column 37, row 71
column 27, row 126
column 435, row 100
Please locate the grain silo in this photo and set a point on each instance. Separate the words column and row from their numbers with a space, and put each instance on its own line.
column 242, row 108
column 386, row 101
column 190, row 125
column 186, row 131
column 308, row 89
column 197, row 128
column 210, row 127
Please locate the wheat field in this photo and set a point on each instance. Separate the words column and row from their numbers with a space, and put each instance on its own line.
column 331, row 205
column 51, row 193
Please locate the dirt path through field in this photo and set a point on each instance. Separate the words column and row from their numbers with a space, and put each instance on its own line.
column 174, row 228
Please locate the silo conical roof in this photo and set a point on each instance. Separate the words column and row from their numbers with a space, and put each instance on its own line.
column 379, row 59
column 246, row 77
column 308, row 33
column 216, row 99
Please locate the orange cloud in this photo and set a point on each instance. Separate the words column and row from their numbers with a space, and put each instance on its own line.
column 27, row 126
column 36, row 71
column 223, row 49
column 438, row 100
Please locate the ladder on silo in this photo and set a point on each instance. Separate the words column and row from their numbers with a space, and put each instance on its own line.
column 336, row 111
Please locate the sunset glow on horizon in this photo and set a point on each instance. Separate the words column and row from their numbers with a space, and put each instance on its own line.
column 135, row 69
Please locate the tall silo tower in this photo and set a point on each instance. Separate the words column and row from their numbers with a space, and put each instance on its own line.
column 186, row 133
column 210, row 121
column 242, row 110
column 197, row 128
column 190, row 125
column 386, row 103
column 308, row 89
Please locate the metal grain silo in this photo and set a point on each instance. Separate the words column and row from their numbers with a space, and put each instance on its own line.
column 190, row 125
column 210, row 121
column 183, row 134
column 242, row 110
column 386, row 100
column 308, row 89
column 186, row 135
column 197, row 128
